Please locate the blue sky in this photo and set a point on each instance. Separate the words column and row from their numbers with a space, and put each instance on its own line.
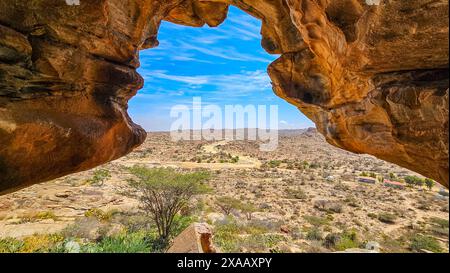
column 224, row 66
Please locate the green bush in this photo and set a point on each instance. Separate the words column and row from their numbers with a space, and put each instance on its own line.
column 180, row 223
column 10, row 245
column 331, row 240
column 387, row 218
column 99, row 177
column 316, row 221
column 226, row 235
column 440, row 222
column 413, row 180
column 295, row 194
column 45, row 243
column 347, row 239
column 419, row 242
column 100, row 214
column 314, row 234
column 274, row 163
column 429, row 183
column 260, row 242
column 138, row 242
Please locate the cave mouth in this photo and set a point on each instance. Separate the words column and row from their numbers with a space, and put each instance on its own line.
column 69, row 71
column 223, row 66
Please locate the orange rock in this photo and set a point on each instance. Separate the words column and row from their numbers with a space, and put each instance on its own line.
column 374, row 78
column 197, row 238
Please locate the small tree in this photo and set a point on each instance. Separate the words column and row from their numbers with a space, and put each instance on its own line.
column 227, row 204
column 163, row 192
column 411, row 180
column 248, row 209
column 100, row 176
column 429, row 183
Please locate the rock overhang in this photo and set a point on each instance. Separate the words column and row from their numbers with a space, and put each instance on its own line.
column 366, row 74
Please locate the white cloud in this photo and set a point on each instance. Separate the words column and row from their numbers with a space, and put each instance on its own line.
column 161, row 74
column 233, row 85
column 228, row 53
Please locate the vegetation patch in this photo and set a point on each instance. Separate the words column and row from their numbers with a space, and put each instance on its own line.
column 423, row 242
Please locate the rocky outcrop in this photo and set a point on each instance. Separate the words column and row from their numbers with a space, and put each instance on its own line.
column 197, row 238
column 372, row 77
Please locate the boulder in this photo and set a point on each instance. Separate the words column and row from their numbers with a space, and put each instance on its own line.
column 197, row 238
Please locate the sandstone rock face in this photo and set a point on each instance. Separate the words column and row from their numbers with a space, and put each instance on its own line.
column 374, row 78
column 197, row 238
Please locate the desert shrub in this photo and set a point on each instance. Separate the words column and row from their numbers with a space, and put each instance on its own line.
column 43, row 215
column 100, row 214
column 99, row 177
column 226, row 235
column 387, row 218
column 315, row 220
column 230, row 236
column 392, row 176
column 84, row 227
column 163, row 193
column 440, row 222
column 135, row 222
column 413, row 180
column 295, row 194
column 266, row 225
column 440, row 231
column 46, row 215
column 347, row 239
column 331, row 240
column 137, row 242
column 314, row 234
column 10, row 245
column 45, row 243
column 328, row 206
column 352, row 201
column 42, row 243
column 274, row 163
column 419, row 242
column 368, row 174
column 259, row 242
column 441, row 226
column 429, row 183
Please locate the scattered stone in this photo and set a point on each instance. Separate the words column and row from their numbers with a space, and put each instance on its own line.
column 372, row 245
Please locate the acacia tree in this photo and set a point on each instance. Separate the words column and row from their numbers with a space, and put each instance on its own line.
column 227, row 204
column 163, row 192
column 248, row 209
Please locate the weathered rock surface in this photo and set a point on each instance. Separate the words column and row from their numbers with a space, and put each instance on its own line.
column 197, row 238
column 374, row 78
